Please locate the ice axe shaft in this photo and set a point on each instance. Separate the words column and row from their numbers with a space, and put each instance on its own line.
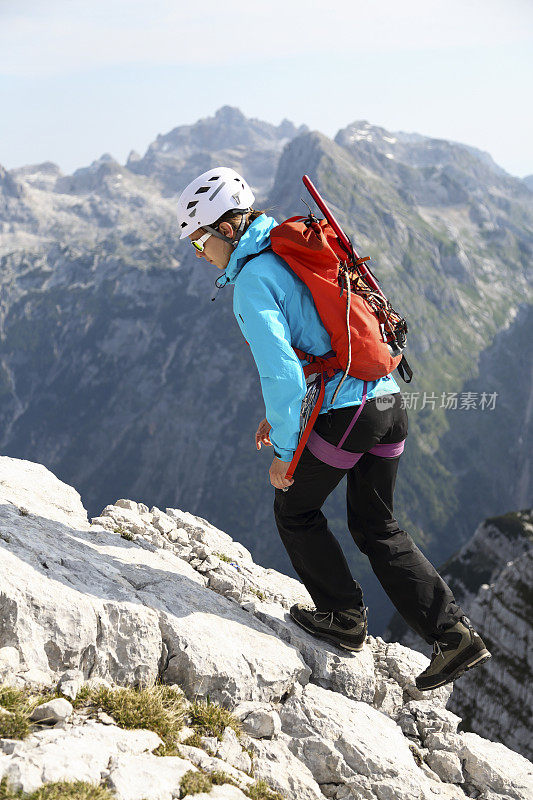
column 344, row 240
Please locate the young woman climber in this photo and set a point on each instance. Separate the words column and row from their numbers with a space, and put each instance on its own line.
column 276, row 313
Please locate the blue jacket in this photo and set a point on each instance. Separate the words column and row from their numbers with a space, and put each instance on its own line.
column 275, row 310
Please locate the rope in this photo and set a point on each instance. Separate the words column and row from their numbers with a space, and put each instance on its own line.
column 348, row 303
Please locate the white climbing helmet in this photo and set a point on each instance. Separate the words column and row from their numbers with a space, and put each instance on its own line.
column 209, row 196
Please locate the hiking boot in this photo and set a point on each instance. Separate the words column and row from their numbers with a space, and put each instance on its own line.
column 459, row 648
column 346, row 629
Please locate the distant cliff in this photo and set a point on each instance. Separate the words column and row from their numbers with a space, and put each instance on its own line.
column 491, row 579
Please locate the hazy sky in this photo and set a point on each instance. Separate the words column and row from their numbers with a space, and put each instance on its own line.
column 80, row 78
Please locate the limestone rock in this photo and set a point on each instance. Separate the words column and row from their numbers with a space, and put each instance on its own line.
column 224, row 792
column 283, row 771
column 120, row 607
column 489, row 765
column 141, row 776
column 76, row 753
column 9, row 662
column 209, row 763
column 53, row 711
column 70, row 683
column 447, row 765
column 342, row 740
column 258, row 720
column 230, row 750
column 332, row 667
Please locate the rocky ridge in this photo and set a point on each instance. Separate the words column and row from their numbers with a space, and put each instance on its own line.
column 138, row 594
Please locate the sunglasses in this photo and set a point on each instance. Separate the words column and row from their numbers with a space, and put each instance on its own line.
column 198, row 244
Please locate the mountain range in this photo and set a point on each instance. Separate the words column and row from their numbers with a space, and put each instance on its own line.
column 119, row 373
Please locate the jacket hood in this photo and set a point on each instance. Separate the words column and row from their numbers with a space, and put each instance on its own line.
column 255, row 239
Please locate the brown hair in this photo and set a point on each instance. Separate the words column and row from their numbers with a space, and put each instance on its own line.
column 234, row 218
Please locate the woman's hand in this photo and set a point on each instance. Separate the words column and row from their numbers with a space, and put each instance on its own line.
column 278, row 470
column 262, row 434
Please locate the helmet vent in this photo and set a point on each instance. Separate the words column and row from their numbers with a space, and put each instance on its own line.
column 202, row 189
column 192, row 204
column 214, row 178
column 217, row 190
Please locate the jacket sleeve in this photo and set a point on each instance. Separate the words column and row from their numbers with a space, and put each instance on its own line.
column 258, row 305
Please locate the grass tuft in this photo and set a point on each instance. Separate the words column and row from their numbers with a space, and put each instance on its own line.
column 194, row 740
column 210, row 719
column 13, row 699
column 155, row 708
column 416, row 754
column 14, row 725
column 194, row 782
column 261, row 791
column 20, row 703
column 218, row 778
column 58, row 790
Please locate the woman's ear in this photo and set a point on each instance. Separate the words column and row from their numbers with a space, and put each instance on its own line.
column 227, row 229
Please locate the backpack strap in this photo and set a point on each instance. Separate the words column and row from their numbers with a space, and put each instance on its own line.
column 404, row 369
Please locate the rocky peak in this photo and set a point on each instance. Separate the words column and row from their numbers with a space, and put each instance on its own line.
column 229, row 138
column 433, row 171
column 230, row 115
column 139, row 594
column 411, row 148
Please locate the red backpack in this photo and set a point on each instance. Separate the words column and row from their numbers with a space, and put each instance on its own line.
column 367, row 334
column 312, row 250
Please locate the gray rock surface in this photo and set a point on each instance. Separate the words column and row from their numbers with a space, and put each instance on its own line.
column 53, row 711
column 138, row 776
column 81, row 602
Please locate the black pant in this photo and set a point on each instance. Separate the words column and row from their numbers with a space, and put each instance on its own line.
column 414, row 586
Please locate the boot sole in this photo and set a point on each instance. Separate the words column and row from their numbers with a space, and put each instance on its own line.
column 328, row 637
column 479, row 658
